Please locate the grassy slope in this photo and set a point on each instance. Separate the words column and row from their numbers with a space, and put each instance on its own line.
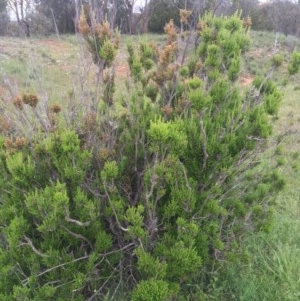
column 58, row 68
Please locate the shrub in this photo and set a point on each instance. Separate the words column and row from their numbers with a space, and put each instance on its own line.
column 149, row 194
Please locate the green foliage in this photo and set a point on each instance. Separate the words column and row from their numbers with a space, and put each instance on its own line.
column 152, row 290
column 170, row 136
column 277, row 60
column 110, row 171
column 140, row 62
column 150, row 266
column 294, row 63
column 46, row 212
column 107, row 51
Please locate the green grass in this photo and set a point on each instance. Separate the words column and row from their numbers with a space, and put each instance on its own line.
column 274, row 268
column 42, row 66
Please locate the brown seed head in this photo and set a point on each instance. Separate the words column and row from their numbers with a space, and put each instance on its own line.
column 171, row 32
column 184, row 15
column 18, row 102
column 8, row 143
column 167, row 55
column 104, row 154
column 5, row 124
column 103, row 30
column 20, row 142
column 83, row 26
column 90, row 121
column 55, row 108
column 247, row 22
column 30, row 99
column 167, row 109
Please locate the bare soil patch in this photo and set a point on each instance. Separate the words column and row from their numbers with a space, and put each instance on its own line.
column 246, row 79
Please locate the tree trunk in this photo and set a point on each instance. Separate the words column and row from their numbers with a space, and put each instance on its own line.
column 146, row 18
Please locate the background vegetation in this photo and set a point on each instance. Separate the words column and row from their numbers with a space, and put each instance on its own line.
column 41, row 17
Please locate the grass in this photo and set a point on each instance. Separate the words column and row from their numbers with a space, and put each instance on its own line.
column 274, row 269
column 271, row 271
column 58, row 69
column 39, row 65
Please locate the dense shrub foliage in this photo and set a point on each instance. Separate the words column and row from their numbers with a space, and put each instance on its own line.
column 152, row 188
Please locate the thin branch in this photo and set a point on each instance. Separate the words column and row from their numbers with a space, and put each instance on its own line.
column 186, row 177
column 114, row 210
column 57, row 266
column 34, row 249
column 78, row 236
column 204, row 142
column 74, row 221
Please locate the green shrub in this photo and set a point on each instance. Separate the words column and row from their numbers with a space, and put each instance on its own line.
column 148, row 195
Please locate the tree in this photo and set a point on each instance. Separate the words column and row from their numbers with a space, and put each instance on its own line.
column 161, row 11
column 119, row 14
column 20, row 9
column 280, row 16
column 61, row 12
column 148, row 191
column 4, row 19
column 247, row 6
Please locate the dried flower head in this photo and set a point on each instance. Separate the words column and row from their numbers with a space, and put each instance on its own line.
column 170, row 71
column 5, row 124
column 103, row 30
column 158, row 76
column 83, row 26
column 104, row 154
column 13, row 145
column 167, row 110
column 167, row 55
column 247, row 22
column 53, row 120
column 18, row 102
column 183, row 103
column 90, row 121
column 30, row 99
column 8, row 143
column 198, row 66
column 184, row 15
column 20, row 142
column 55, row 108
column 171, row 32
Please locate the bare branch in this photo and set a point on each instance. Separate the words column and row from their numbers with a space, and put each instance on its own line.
column 114, row 210
column 34, row 249
column 56, row 267
column 79, row 223
column 78, row 236
column 204, row 142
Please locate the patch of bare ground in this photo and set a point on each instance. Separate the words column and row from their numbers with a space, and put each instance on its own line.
column 122, row 71
column 246, row 79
